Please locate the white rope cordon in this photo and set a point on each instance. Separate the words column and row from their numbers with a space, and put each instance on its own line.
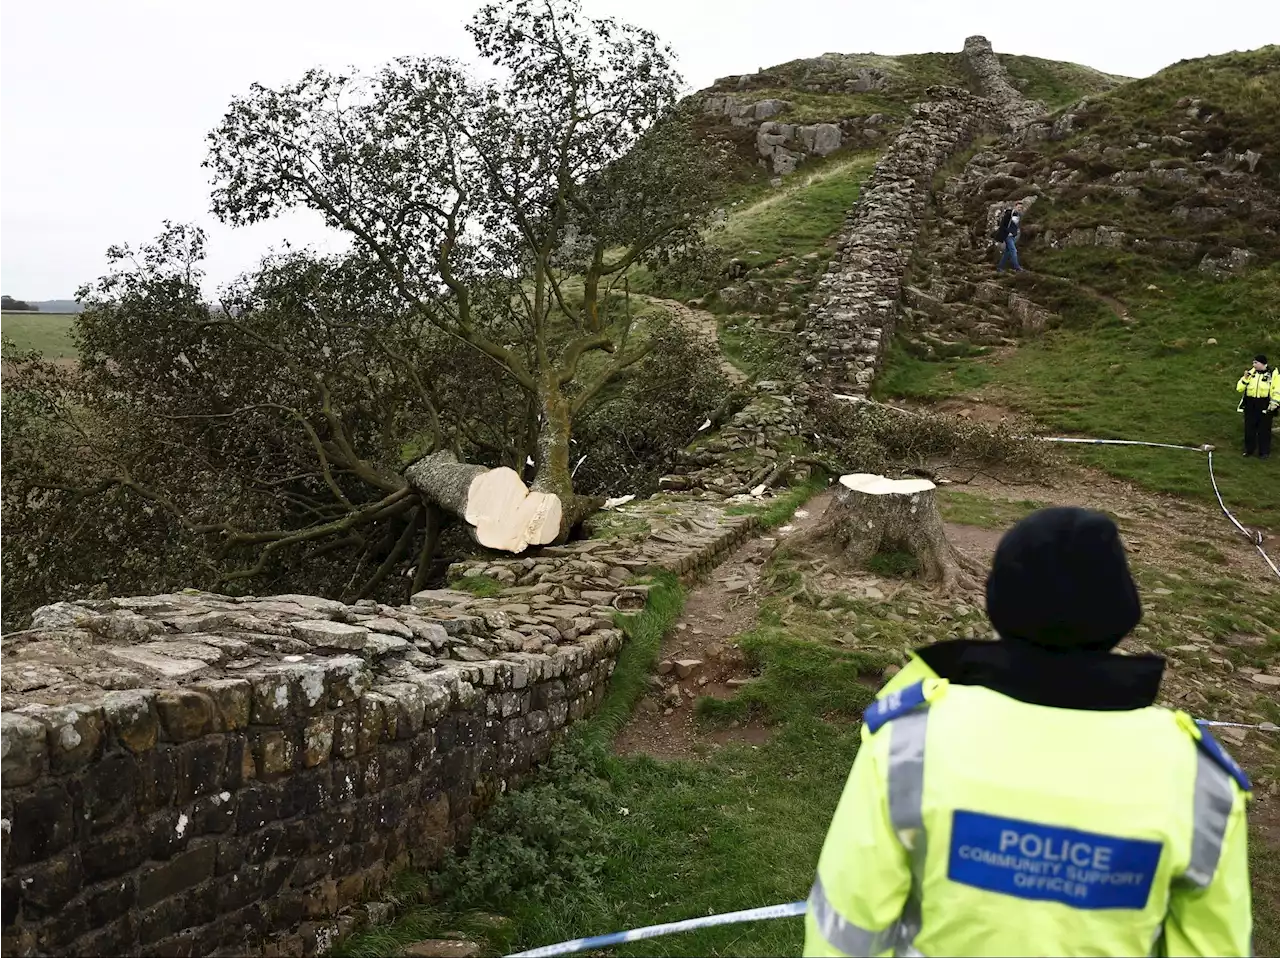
column 1123, row 442
column 1255, row 538
column 1261, row 726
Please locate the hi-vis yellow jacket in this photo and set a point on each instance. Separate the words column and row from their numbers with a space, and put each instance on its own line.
column 975, row 824
column 1258, row 385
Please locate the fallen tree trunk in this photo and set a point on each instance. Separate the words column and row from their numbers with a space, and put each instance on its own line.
column 871, row 514
column 502, row 511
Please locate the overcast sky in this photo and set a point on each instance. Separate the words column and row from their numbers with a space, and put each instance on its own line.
column 104, row 104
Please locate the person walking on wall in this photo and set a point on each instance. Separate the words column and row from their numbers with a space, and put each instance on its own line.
column 1007, row 233
column 1261, row 387
column 1027, row 796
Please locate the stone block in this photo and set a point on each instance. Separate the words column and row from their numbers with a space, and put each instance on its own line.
column 347, row 678
column 185, row 714
column 232, row 699
column 75, row 733
column 377, row 721
column 409, row 703
column 107, row 791
column 200, row 767
column 107, row 903
column 213, row 814
column 167, row 918
column 157, row 777
column 42, row 823
column 175, row 876
column 117, row 938
column 317, row 740
column 51, row 884
column 132, row 719
column 165, row 666
column 346, row 727
column 325, row 634
column 272, row 698
column 166, row 833
column 305, row 793
column 275, row 754
column 233, row 768
column 24, row 749
column 114, row 853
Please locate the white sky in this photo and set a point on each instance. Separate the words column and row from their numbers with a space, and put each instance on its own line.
column 104, row 104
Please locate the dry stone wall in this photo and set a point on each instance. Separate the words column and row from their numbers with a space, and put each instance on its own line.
column 199, row 774
column 850, row 325
column 860, row 297
column 993, row 82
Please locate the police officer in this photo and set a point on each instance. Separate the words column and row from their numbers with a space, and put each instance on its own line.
column 1027, row 796
column 1261, row 388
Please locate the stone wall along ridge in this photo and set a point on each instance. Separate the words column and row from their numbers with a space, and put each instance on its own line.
column 853, row 317
column 993, row 83
column 852, row 320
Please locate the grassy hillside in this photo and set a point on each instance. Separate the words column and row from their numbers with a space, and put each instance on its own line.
column 1147, row 337
column 819, row 87
column 48, row 332
column 1054, row 82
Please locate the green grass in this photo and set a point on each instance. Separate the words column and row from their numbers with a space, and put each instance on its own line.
column 909, row 377
column 482, row 586
column 1054, row 82
column 1238, row 93
column 1201, row 599
column 778, row 511
column 1155, row 380
column 1264, row 870
column 968, row 509
column 798, row 218
column 50, row 333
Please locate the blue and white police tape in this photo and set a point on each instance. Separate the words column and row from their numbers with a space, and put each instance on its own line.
column 790, row 910
column 670, row 928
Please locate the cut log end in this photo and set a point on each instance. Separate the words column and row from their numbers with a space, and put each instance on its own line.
column 872, row 514
column 503, row 513
column 507, row 515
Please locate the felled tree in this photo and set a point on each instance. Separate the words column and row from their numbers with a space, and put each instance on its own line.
column 274, row 439
column 474, row 202
column 870, row 514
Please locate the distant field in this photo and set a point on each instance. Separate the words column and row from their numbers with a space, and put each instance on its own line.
column 48, row 332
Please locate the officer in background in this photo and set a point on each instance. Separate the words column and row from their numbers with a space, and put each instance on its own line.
column 1026, row 796
column 1261, row 388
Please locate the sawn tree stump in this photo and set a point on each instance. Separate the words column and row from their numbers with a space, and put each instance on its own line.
column 871, row 514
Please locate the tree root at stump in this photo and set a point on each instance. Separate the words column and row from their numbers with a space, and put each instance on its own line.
column 871, row 514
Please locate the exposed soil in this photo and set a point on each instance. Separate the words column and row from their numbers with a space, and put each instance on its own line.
column 973, row 541
column 727, row 603
column 715, row 612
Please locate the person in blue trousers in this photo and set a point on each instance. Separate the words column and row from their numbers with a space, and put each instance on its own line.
column 1010, row 223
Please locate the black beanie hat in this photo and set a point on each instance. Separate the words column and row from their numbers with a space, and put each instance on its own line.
column 1260, row 359
column 1060, row 580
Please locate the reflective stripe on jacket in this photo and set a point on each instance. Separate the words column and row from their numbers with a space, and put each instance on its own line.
column 975, row 824
column 1258, row 385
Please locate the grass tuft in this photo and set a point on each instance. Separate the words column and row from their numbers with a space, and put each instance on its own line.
column 482, row 586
